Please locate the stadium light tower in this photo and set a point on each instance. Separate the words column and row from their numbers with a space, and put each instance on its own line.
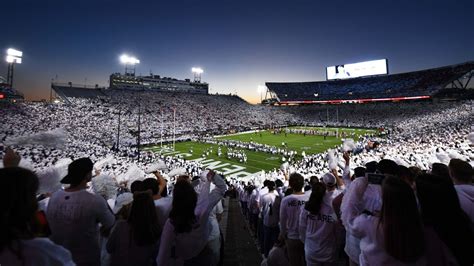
column 197, row 71
column 129, row 62
column 13, row 57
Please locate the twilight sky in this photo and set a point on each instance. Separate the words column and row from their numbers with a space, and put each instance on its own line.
column 240, row 44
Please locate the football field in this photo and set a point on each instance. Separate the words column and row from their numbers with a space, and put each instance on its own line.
column 207, row 154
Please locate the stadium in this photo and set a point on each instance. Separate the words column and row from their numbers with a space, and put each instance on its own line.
column 366, row 167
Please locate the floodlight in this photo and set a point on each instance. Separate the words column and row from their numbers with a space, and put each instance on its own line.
column 14, row 52
column 129, row 60
column 13, row 59
column 124, row 59
column 197, row 70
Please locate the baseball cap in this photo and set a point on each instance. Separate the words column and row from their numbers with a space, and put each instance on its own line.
column 77, row 170
column 329, row 179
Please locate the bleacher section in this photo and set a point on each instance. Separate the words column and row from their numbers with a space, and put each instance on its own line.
column 412, row 85
column 68, row 91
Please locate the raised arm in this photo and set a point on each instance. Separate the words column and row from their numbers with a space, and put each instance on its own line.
column 161, row 182
column 206, row 200
column 352, row 205
column 346, row 178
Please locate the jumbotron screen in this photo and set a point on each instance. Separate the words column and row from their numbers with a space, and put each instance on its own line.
column 361, row 69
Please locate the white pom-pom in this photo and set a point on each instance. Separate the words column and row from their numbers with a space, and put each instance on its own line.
column 104, row 162
column 49, row 180
column 62, row 165
column 177, row 172
column 348, row 145
column 443, row 157
column 50, row 138
column 133, row 173
column 332, row 159
column 470, row 137
column 27, row 164
column 160, row 165
column 105, row 185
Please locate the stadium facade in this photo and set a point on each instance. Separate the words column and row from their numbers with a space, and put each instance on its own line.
column 417, row 85
column 7, row 93
column 156, row 82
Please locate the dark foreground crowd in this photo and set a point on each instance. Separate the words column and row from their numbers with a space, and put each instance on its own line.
column 380, row 214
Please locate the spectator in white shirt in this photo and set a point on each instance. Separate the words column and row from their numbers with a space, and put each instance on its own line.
column 186, row 232
column 270, row 211
column 18, row 244
column 396, row 236
column 290, row 209
column 318, row 228
column 74, row 214
column 135, row 241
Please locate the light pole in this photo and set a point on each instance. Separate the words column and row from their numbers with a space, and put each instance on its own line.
column 197, row 71
column 13, row 57
column 129, row 62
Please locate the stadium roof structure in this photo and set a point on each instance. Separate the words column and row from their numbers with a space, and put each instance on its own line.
column 66, row 90
column 421, row 84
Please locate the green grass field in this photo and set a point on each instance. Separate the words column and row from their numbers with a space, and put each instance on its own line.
column 256, row 161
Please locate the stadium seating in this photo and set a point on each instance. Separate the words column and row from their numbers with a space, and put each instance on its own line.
column 76, row 92
column 411, row 84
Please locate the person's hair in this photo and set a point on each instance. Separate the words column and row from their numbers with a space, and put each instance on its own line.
column 271, row 185
column 265, row 182
column 415, row 171
column 288, row 191
column 184, row 202
column 460, row 170
column 389, row 167
column 440, row 169
column 143, row 219
column 279, row 183
column 313, row 180
column 371, row 167
column 151, row 184
column 19, row 206
column 400, row 221
column 406, row 175
column 440, row 208
column 136, row 185
column 296, row 182
column 313, row 205
column 359, row 171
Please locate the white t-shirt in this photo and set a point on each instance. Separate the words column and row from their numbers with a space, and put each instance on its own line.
column 39, row 252
column 73, row 218
column 290, row 209
column 163, row 208
column 319, row 233
column 188, row 245
column 215, row 230
column 270, row 200
column 466, row 199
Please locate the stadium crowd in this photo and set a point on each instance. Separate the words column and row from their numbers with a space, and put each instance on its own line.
column 360, row 203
